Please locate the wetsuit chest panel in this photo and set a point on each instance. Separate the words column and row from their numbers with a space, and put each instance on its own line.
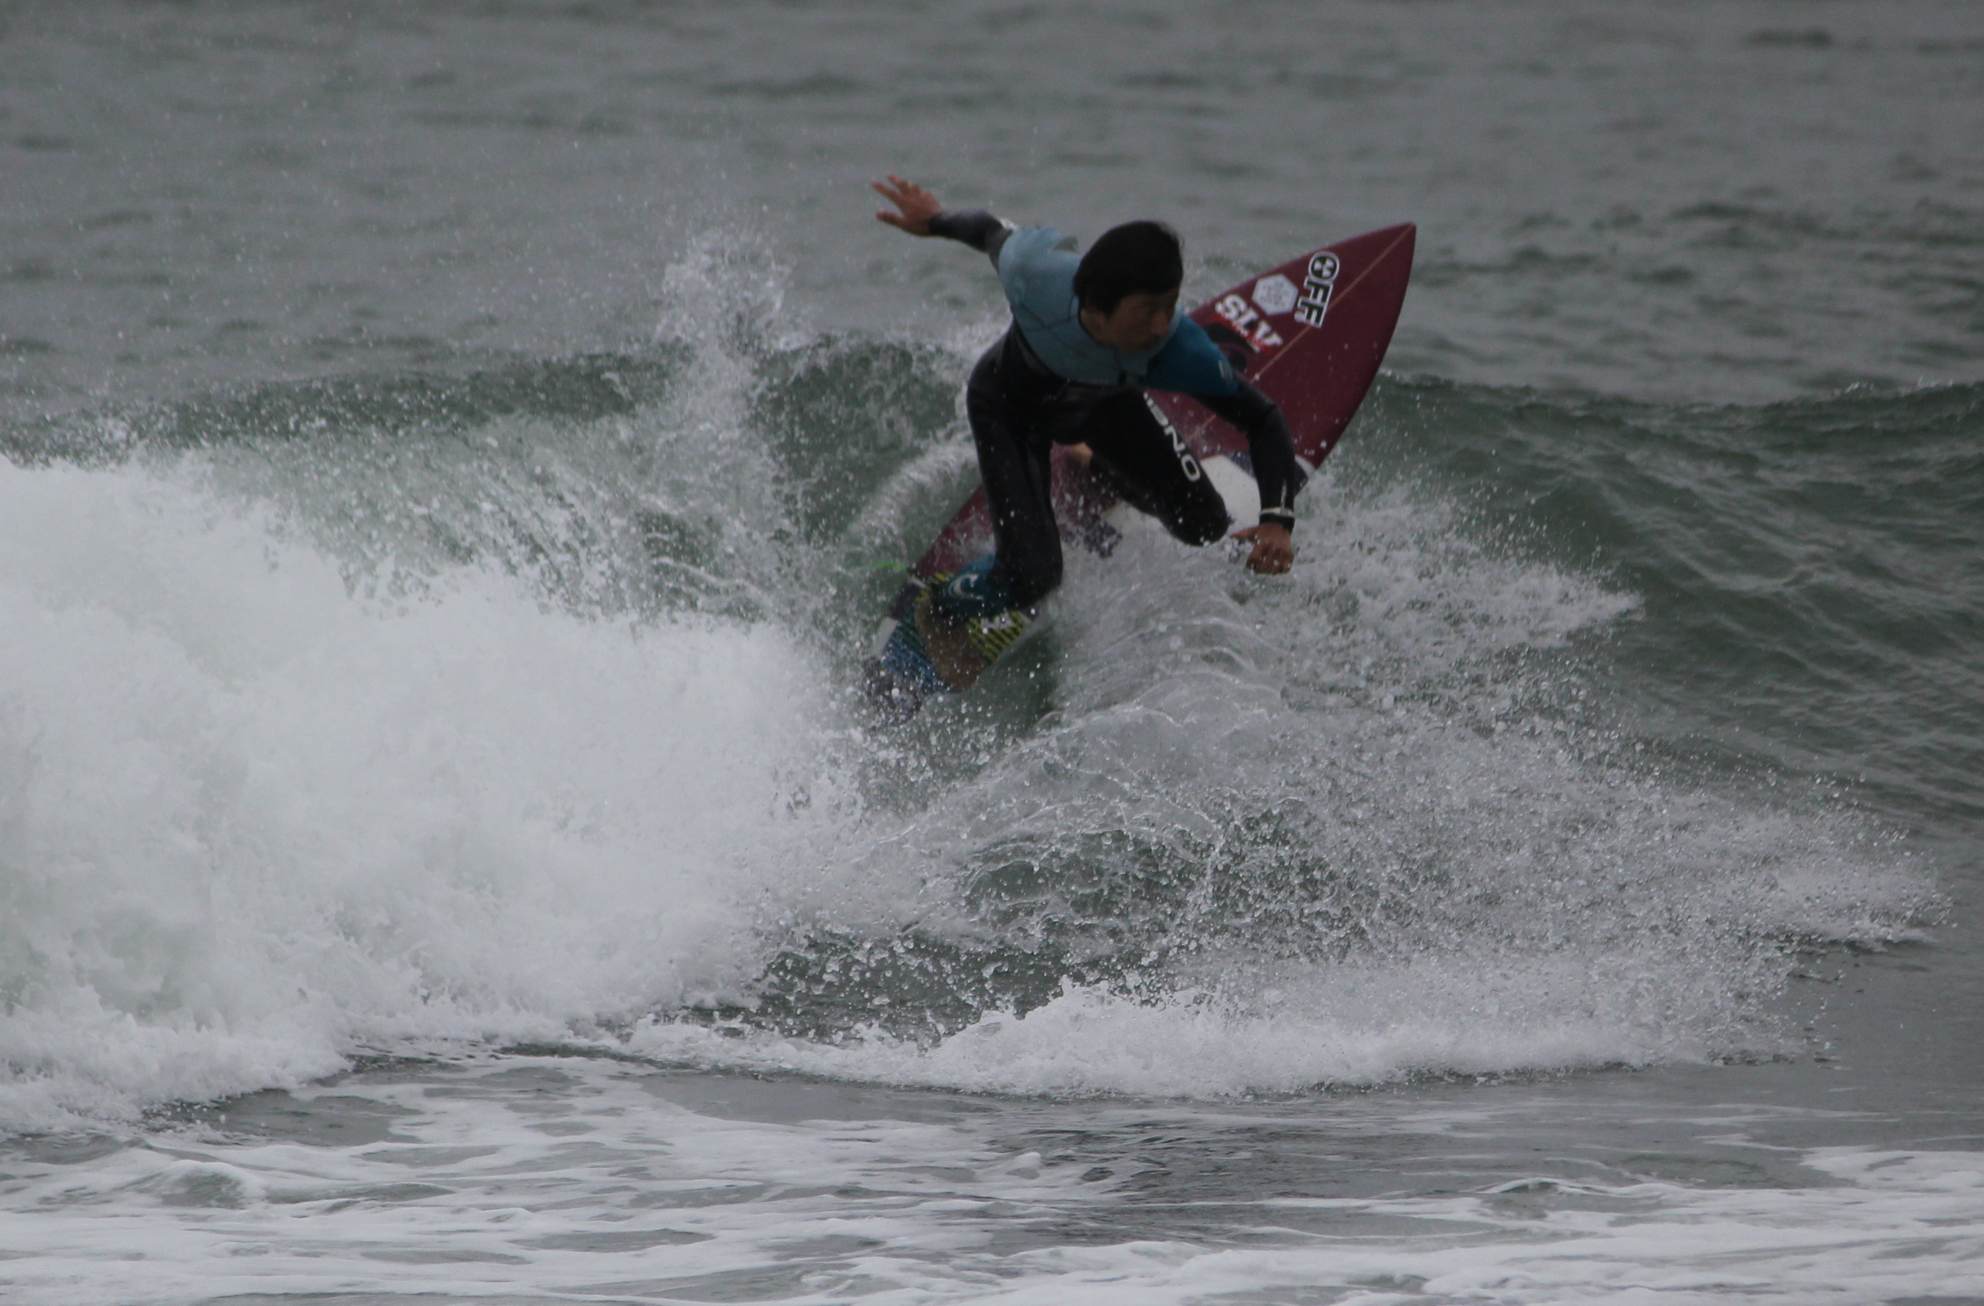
column 1037, row 268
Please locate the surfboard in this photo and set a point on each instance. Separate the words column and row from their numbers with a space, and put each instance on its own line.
column 1310, row 333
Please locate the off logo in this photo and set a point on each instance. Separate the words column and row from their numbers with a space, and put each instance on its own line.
column 1317, row 287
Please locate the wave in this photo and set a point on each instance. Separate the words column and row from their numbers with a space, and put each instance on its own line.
column 1803, row 567
column 364, row 714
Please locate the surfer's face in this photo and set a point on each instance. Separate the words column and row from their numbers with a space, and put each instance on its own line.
column 1138, row 322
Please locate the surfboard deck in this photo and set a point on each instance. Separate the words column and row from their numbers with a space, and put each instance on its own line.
column 1310, row 333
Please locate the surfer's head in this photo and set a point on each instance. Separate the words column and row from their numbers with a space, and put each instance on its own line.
column 1128, row 285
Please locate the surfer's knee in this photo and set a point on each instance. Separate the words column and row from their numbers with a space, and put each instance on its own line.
column 1197, row 516
column 1204, row 526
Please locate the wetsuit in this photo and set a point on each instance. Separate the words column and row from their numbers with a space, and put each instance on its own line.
column 1048, row 382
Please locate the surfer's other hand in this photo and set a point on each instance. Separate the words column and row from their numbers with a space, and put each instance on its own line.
column 1274, row 548
column 916, row 205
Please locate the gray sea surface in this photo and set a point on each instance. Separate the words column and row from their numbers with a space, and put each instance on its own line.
column 453, row 456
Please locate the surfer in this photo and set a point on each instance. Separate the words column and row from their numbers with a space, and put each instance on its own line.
column 1089, row 336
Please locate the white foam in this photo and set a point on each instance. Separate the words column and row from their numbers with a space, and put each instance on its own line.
column 583, row 1179
column 250, row 819
column 1291, row 1031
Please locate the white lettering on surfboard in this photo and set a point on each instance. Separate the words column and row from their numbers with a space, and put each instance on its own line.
column 1189, row 464
column 1247, row 319
column 1317, row 287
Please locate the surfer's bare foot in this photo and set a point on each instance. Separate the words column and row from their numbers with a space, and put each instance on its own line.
column 948, row 643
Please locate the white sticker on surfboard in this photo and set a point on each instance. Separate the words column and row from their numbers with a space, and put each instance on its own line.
column 1238, row 487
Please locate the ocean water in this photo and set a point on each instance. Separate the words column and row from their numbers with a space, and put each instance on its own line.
column 451, row 461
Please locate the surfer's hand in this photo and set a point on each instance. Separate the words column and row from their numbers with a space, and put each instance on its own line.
column 916, row 205
column 1274, row 548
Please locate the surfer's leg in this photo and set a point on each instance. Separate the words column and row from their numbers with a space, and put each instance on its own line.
column 1013, row 463
column 1142, row 457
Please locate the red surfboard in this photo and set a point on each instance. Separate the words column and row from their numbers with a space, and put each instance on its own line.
column 1310, row 333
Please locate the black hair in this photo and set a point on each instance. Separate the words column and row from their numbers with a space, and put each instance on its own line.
column 1137, row 258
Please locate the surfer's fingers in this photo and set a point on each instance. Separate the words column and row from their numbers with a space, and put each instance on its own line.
column 915, row 206
column 902, row 223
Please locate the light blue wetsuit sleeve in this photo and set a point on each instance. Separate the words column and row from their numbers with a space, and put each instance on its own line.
column 1191, row 363
column 1037, row 267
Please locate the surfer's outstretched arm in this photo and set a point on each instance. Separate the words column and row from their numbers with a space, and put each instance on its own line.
column 919, row 214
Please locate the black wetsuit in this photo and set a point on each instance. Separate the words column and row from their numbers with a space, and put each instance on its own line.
column 1020, row 407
